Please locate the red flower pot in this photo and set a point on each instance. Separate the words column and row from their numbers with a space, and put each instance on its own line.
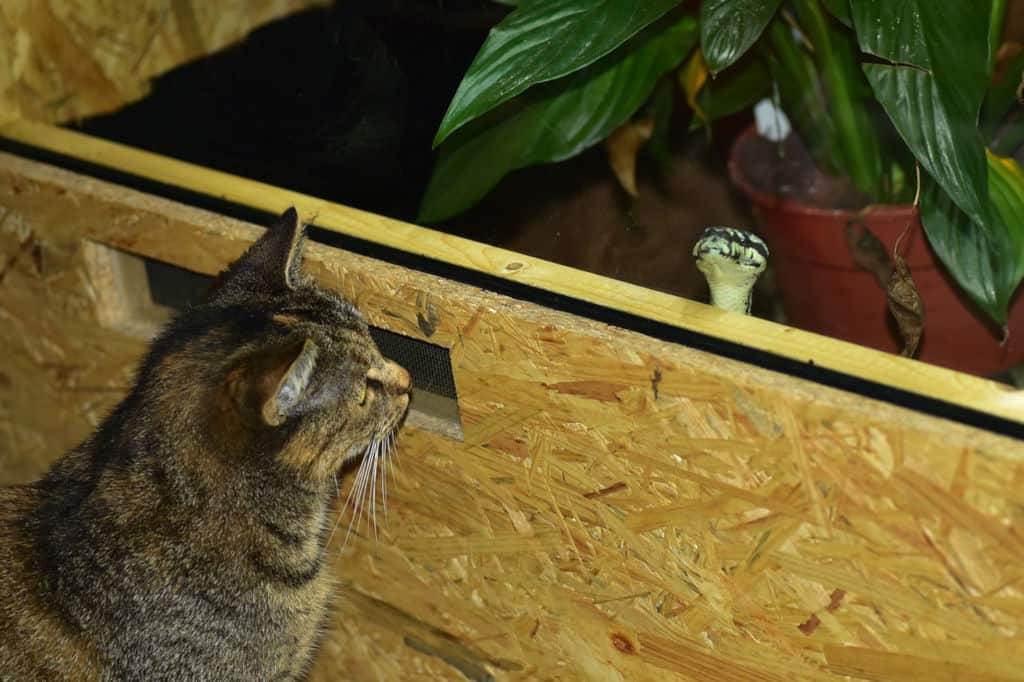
column 825, row 291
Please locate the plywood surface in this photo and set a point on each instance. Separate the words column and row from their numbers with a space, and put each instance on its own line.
column 620, row 509
column 62, row 60
column 884, row 368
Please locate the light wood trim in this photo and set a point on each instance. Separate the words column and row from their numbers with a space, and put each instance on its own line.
column 884, row 368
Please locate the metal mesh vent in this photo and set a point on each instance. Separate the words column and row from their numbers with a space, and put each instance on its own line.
column 429, row 365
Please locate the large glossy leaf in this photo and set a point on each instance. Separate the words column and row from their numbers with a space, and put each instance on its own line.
column 729, row 27
column 933, row 86
column 554, row 121
column 987, row 261
column 840, row 9
column 541, row 41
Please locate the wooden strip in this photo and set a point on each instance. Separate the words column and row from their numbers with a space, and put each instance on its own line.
column 698, row 664
column 460, row 545
column 885, row 666
column 883, row 368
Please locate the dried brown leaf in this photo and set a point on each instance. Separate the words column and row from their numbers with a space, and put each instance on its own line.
column 623, row 145
column 905, row 303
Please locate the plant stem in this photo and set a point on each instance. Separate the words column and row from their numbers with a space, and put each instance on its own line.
column 855, row 139
column 996, row 20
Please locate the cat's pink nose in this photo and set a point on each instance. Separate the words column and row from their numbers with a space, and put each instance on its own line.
column 392, row 376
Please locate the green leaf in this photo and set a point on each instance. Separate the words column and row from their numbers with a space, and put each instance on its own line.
column 988, row 262
column 996, row 24
column 542, row 41
column 933, row 87
column 801, row 93
column 554, row 121
column 729, row 27
column 854, row 142
column 735, row 90
column 840, row 9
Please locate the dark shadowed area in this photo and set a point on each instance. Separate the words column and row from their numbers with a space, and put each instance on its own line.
column 343, row 103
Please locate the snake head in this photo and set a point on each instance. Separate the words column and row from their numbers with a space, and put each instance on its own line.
column 731, row 260
column 730, row 247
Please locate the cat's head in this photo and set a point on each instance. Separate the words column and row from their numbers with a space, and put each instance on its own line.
column 291, row 365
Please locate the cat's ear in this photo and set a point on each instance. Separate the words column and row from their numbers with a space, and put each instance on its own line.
column 291, row 388
column 272, row 264
column 272, row 386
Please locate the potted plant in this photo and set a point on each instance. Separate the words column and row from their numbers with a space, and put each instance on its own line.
column 875, row 90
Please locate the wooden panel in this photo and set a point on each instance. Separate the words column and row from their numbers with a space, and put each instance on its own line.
column 62, row 60
column 884, row 368
column 620, row 509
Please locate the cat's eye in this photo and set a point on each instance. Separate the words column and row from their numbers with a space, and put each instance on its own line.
column 370, row 387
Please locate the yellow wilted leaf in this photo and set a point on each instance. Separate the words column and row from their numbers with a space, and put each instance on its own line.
column 692, row 77
column 623, row 145
column 1006, row 191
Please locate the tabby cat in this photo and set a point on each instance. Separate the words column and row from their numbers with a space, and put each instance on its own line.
column 186, row 538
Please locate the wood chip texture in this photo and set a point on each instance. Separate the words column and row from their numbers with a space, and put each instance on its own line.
column 62, row 60
column 621, row 508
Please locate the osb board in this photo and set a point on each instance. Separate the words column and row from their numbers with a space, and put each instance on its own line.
column 621, row 508
column 62, row 60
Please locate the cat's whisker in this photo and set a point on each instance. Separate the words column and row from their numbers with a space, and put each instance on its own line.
column 393, row 455
column 362, row 496
column 341, row 510
column 389, row 455
column 368, row 480
column 384, row 480
column 359, row 490
column 378, row 473
column 373, row 486
column 366, row 471
column 392, row 450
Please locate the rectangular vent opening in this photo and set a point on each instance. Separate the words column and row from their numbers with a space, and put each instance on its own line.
column 137, row 295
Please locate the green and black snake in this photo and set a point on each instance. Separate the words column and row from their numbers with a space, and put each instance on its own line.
column 731, row 261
